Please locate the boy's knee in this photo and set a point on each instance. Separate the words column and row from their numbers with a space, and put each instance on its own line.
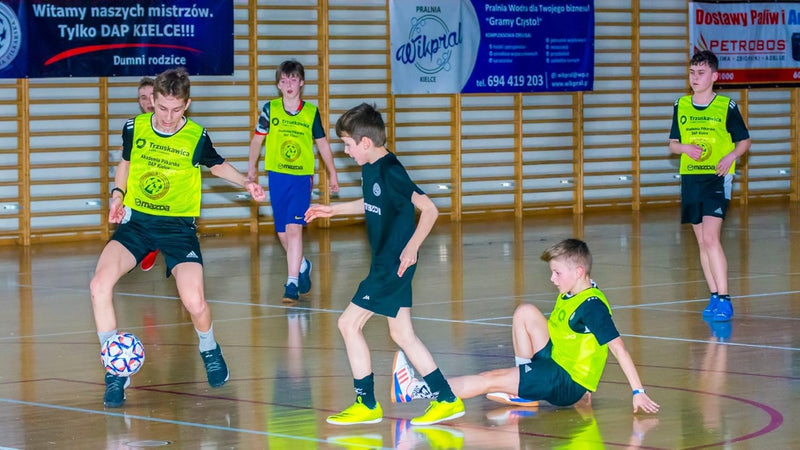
column 525, row 310
column 100, row 285
column 195, row 305
column 345, row 325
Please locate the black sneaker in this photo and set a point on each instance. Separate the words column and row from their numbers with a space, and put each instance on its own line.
column 115, row 390
column 216, row 369
column 304, row 280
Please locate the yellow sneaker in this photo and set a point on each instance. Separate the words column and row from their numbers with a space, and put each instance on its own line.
column 357, row 413
column 358, row 441
column 441, row 437
column 439, row 412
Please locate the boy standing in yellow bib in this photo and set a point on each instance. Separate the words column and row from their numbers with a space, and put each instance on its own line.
column 287, row 129
column 709, row 133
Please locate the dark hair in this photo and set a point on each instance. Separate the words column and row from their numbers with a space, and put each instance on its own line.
column 573, row 250
column 146, row 81
column 290, row 67
column 172, row 82
column 362, row 121
column 705, row 56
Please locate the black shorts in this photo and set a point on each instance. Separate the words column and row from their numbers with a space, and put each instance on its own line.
column 383, row 292
column 704, row 195
column 175, row 237
column 544, row 379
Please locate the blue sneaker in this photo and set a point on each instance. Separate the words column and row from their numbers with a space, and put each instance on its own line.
column 721, row 330
column 290, row 293
column 724, row 311
column 304, row 280
column 216, row 369
column 115, row 390
column 711, row 309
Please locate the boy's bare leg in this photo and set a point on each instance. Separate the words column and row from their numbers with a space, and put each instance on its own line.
column 114, row 262
column 712, row 256
column 529, row 331
column 292, row 242
column 189, row 280
column 499, row 380
column 402, row 332
column 351, row 323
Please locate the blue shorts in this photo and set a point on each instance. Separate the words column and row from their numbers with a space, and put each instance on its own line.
column 290, row 197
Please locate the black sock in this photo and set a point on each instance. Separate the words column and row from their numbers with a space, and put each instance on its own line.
column 715, row 294
column 365, row 388
column 438, row 384
column 725, row 297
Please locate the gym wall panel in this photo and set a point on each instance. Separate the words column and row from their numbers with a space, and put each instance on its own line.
column 474, row 154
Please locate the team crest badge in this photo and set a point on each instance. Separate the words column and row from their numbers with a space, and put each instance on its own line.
column 154, row 185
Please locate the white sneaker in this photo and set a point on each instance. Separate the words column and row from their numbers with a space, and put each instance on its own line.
column 405, row 386
column 508, row 399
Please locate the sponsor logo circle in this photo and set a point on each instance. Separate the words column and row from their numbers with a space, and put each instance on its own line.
column 376, row 189
column 10, row 36
column 290, row 151
column 706, row 146
column 154, row 185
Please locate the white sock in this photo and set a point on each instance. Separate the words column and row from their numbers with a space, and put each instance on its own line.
column 303, row 265
column 103, row 336
column 207, row 341
column 520, row 361
column 291, row 280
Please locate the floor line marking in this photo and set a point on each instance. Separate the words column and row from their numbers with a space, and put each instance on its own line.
column 168, row 421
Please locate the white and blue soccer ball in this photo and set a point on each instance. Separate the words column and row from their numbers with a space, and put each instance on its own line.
column 122, row 354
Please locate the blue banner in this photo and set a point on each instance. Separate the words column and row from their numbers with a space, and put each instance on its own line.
column 100, row 38
column 450, row 46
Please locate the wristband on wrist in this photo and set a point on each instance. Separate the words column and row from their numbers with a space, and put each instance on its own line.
column 638, row 391
column 120, row 191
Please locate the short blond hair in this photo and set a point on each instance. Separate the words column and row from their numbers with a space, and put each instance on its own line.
column 574, row 251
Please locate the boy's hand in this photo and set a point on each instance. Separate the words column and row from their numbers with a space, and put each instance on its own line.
column 116, row 212
column 724, row 165
column 407, row 259
column 318, row 212
column 255, row 190
column 333, row 182
column 645, row 403
column 692, row 151
column 252, row 174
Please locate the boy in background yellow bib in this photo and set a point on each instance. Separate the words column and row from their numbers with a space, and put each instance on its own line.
column 709, row 134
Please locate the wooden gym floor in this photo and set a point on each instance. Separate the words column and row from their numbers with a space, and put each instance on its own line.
column 734, row 386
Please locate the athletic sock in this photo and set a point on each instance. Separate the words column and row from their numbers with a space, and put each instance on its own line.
column 291, row 280
column 104, row 335
column 715, row 294
column 725, row 297
column 518, row 361
column 207, row 341
column 365, row 388
column 438, row 384
column 303, row 265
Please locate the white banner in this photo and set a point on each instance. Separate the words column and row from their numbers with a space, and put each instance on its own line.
column 434, row 45
column 449, row 46
column 756, row 42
